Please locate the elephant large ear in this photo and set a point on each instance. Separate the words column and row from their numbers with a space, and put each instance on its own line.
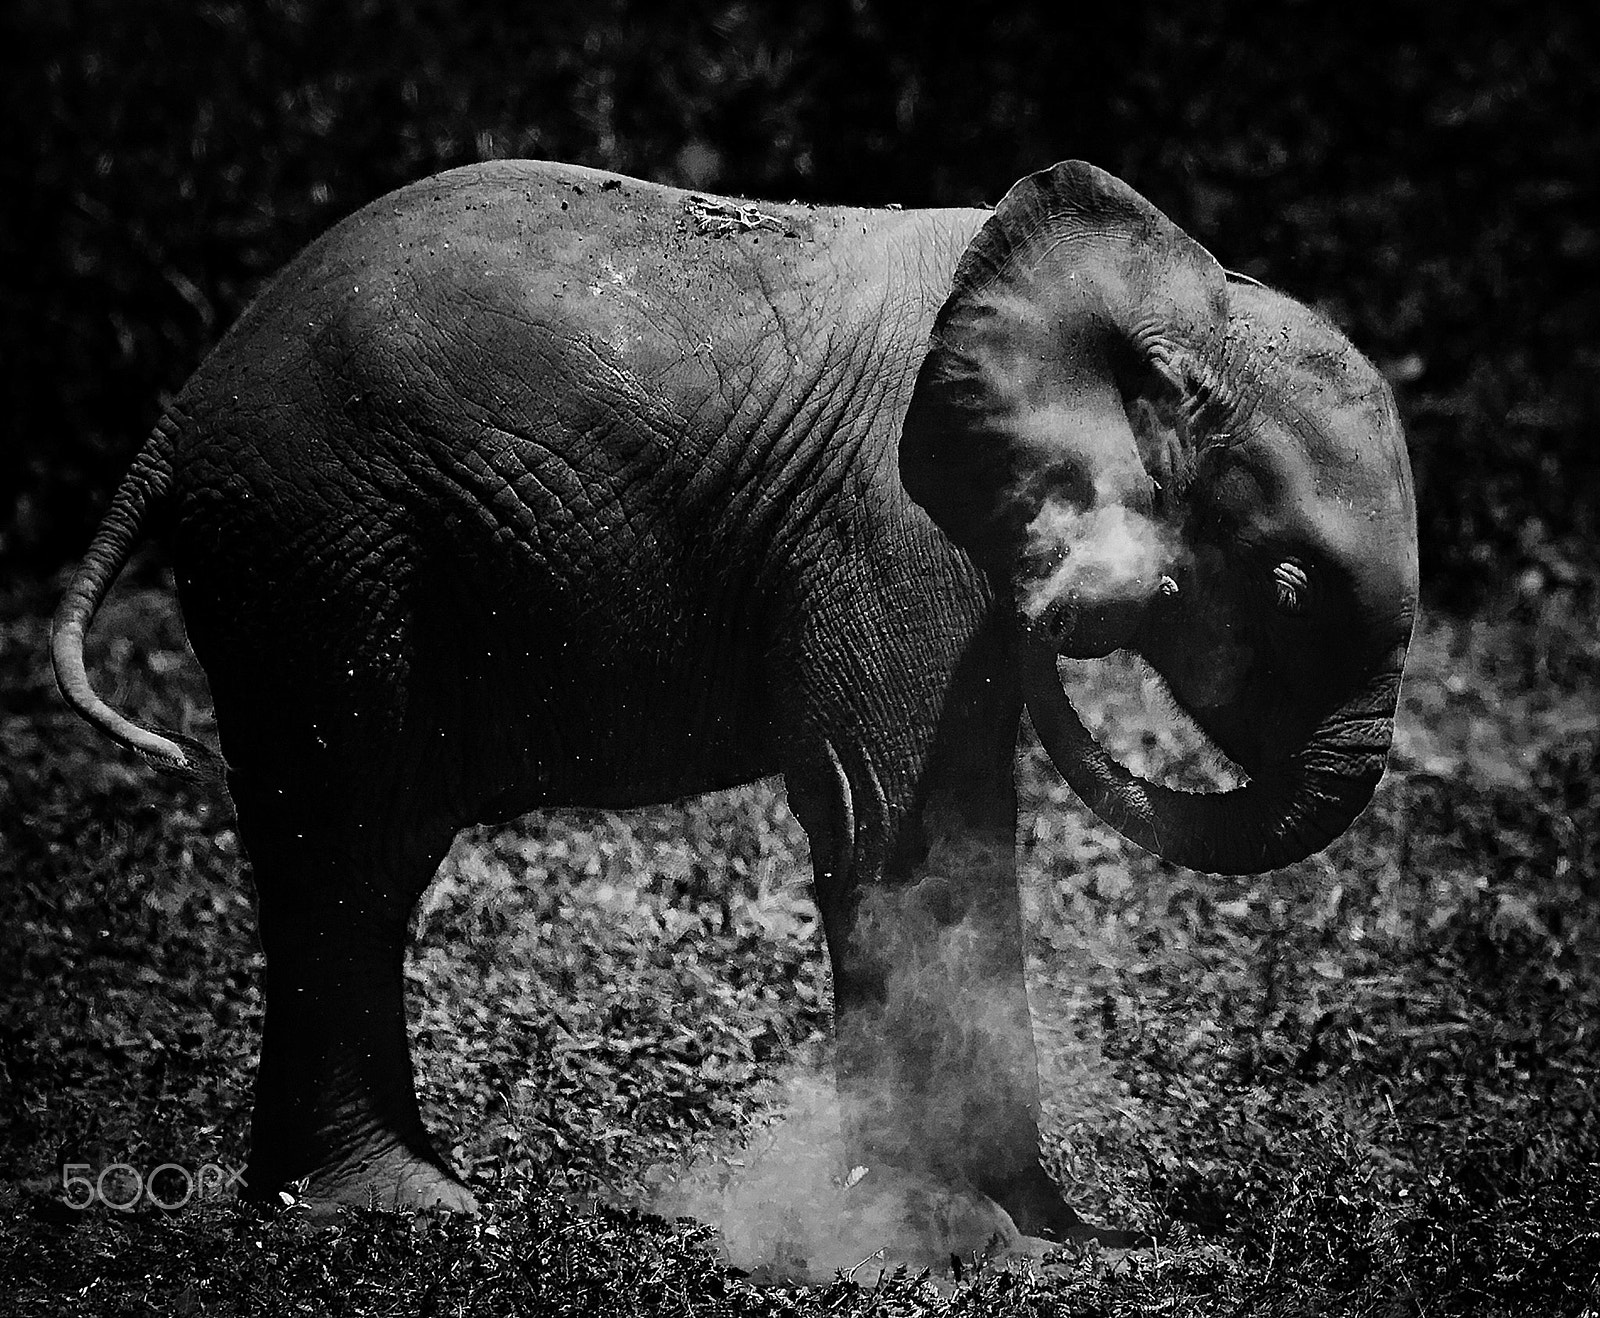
column 1068, row 364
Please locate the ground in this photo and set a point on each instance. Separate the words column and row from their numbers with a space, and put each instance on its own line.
column 1363, row 1084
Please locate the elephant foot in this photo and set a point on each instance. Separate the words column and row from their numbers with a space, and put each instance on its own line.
column 888, row 1220
column 923, row 1223
column 394, row 1179
column 893, row 1218
column 1036, row 1205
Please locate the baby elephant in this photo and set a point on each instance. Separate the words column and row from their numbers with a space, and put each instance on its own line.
column 530, row 485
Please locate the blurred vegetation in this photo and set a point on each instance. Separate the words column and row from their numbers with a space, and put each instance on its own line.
column 1432, row 185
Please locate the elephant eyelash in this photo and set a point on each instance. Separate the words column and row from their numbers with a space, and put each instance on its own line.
column 1291, row 587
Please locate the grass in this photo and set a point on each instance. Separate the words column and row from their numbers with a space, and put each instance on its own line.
column 1362, row 1085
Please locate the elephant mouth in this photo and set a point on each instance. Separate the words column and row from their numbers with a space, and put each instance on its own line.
column 1078, row 629
column 1136, row 716
column 1274, row 817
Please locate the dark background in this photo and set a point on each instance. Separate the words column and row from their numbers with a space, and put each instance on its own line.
column 1367, row 1084
column 1426, row 174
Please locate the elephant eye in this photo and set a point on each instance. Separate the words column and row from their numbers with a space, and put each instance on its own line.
column 1291, row 586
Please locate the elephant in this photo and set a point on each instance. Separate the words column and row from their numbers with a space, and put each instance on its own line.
column 530, row 485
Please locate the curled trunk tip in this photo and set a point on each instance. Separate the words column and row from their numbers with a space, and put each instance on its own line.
column 1267, row 823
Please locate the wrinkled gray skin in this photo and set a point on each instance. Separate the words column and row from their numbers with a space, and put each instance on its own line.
column 525, row 486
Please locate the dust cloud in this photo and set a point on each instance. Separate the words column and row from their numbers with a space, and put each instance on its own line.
column 787, row 1208
column 1107, row 552
column 786, row 1201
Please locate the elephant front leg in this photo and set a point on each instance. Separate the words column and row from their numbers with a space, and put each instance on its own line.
column 937, row 1067
column 917, row 885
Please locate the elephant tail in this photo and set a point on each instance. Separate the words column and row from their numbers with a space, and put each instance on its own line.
column 144, row 489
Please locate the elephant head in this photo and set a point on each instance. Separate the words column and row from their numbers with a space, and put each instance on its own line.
column 1149, row 454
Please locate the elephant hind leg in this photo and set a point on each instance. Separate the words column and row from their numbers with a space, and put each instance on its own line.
column 332, row 709
column 335, row 1099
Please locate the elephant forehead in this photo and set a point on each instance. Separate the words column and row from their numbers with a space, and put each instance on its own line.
column 1292, row 484
column 1332, row 457
column 1319, row 462
column 1321, row 426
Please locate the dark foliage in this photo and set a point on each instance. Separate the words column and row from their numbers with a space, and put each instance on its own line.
column 1431, row 185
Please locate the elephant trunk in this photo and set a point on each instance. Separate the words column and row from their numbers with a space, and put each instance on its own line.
column 1286, row 814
